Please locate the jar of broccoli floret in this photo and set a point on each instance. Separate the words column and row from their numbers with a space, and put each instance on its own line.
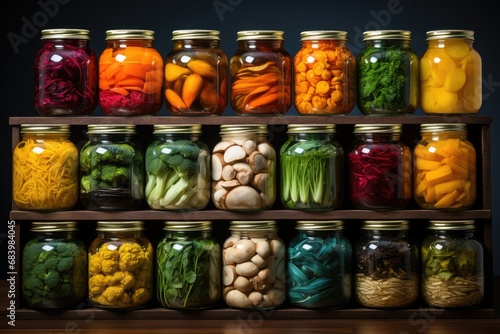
column 54, row 266
column 177, row 168
column 111, row 168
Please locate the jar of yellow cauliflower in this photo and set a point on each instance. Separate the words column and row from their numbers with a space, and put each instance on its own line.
column 120, row 266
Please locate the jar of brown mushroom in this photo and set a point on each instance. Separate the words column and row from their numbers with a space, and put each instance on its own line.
column 254, row 267
column 243, row 169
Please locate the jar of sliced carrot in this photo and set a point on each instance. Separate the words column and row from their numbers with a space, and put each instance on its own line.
column 450, row 73
column 444, row 168
column 130, row 74
column 325, row 75
column 196, row 74
column 261, row 74
column 66, row 77
column 45, row 168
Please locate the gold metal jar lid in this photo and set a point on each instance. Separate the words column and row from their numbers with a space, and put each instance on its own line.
column 385, row 225
column 120, row 226
column 451, row 225
column 177, row 128
column 313, row 35
column 387, row 34
column 319, row 225
column 247, row 35
column 449, row 33
column 378, row 128
column 243, row 129
column 195, row 34
column 310, row 128
column 45, row 128
column 443, row 127
column 60, row 226
column 252, row 225
column 111, row 129
column 129, row 34
column 180, row 226
column 65, row 34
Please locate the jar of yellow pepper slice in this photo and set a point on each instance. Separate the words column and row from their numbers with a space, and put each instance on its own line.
column 444, row 168
column 45, row 168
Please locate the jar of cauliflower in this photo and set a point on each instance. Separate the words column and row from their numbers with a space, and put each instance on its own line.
column 120, row 266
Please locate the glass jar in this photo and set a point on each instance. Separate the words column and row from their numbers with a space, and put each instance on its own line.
column 66, row 74
column 261, row 74
column 177, row 168
column 253, row 266
column 188, row 262
column 130, row 74
column 444, row 168
column 45, row 168
column 54, row 266
column 120, row 266
column 312, row 168
column 379, row 168
column 196, row 74
column 243, row 169
column 387, row 74
column 387, row 262
column 452, row 265
column 325, row 74
column 319, row 266
column 111, row 168
column 450, row 74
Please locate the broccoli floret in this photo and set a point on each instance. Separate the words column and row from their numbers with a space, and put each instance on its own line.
column 114, row 175
column 113, row 153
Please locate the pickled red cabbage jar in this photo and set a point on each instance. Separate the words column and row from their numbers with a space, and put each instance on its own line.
column 450, row 74
column 444, row 168
column 66, row 77
column 261, row 74
column 130, row 74
column 379, row 168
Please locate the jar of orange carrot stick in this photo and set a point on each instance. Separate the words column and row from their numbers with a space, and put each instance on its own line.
column 130, row 74
column 261, row 74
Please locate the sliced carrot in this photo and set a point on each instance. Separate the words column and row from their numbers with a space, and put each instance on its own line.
column 131, row 81
column 111, row 71
column 119, row 90
column 152, row 87
column 137, row 70
column 262, row 100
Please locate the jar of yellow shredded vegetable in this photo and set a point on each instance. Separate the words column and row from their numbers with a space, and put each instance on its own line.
column 45, row 168
column 450, row 73
column 444, row 168
column 120, row 266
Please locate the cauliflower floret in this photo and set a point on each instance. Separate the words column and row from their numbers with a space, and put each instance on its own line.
column 124, row 279
column 109, row 252
column 141, row 296
column 109, row 266
column 132, row 257
column 97, row 284
column 94, row 264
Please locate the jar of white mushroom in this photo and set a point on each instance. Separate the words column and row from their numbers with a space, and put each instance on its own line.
column 243, row 169
column 254, row 266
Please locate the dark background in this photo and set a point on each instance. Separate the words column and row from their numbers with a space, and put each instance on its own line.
column 22, row 24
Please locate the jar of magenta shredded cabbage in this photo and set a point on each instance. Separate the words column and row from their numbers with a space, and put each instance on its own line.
column 130, row 74
column 379, row 168
column 66, row 77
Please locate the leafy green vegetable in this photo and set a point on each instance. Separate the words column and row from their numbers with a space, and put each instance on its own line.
column 383, row 80
column 310, row 171
column 188, row 273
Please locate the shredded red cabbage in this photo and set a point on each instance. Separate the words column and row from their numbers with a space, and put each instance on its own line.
column 135, row 103
column 66, row 80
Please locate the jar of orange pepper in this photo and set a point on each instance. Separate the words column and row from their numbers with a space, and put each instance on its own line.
column 444, row 168
column 450, row 73
column 196, row 74
column 324, row 71
column 261, row 74
column 45, row 168
column 130, row 74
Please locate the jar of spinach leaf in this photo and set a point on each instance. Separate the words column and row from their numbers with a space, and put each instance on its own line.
column 54, row 266
column 452, row 265
column 188, row 261
column 379, row 168
column 387, row 74
column 312, row 168
column 111, row 168
column 254, row 266
column 319, row 266
column 387, row 262
column 177, row 168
